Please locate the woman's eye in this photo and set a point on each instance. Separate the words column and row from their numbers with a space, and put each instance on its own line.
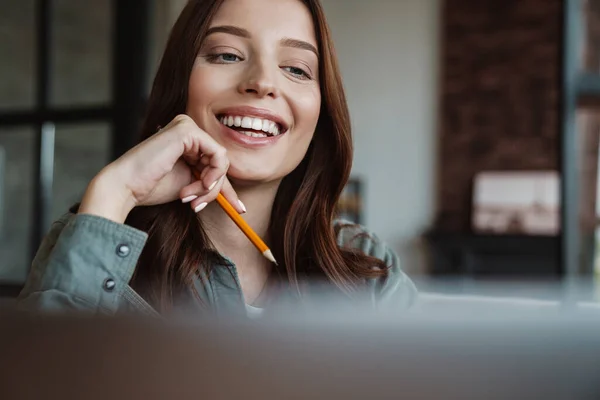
column 298, row 72
column 225, row 58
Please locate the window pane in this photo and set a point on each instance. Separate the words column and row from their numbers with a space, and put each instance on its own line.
column 80, row 153
column 17, row 45
column 81, row 52
column 16, row 202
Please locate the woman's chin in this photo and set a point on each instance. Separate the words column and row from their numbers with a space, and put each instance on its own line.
column 251, row 178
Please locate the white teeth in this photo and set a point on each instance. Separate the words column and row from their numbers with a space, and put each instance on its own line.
column 256, row 124
column 254, row 134
column 266, row 125
column 247, row 122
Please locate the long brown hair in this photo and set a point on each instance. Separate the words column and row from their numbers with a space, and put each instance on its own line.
column 301, row 226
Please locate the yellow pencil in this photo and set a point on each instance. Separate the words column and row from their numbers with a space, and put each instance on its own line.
column 243, row 225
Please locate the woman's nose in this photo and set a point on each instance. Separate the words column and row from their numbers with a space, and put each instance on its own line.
column 259, row 81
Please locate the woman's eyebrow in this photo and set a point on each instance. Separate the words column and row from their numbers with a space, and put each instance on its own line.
column 241, row 32
column 232, row 30
column 299, row 44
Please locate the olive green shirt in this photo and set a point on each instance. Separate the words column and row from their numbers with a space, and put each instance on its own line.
column 85, row 263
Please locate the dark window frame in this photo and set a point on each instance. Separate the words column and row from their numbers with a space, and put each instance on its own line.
column 131, row 21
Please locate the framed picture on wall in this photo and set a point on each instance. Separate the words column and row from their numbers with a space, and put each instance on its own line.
column 517, row 203
column 350, row 204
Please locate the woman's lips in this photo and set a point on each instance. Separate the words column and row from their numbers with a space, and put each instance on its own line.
column 256, row 127
column 240, row 137
column 254, row 115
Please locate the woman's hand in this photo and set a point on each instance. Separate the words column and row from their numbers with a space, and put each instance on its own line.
column 158, row 171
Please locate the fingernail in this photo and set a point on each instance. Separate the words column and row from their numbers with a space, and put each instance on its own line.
column 211, row 187
column 242, row 205
column 200, row 207
column 189, row 199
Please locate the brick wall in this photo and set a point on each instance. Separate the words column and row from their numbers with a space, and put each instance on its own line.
column 588, row 121
column 500, row 95
column 588, row 140
column 591, row 51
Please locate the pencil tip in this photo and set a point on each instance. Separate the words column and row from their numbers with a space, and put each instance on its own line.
column 269, row 255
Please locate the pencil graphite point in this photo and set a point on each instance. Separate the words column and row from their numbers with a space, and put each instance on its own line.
column 269, row 255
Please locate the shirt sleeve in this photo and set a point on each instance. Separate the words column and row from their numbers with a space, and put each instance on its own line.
column 395, row 291
column 85, row 262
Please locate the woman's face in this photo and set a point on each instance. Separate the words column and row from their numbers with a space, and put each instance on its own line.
column 255, row 86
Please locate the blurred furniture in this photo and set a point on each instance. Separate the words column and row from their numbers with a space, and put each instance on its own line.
column 494, row 255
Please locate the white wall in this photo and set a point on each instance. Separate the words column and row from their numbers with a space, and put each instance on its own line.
column 388, row 51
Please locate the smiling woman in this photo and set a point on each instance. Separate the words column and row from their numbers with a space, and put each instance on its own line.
column 258, row 72
column 249, row 93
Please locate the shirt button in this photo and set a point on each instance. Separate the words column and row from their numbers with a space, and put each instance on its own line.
column 123, row 250
column 109, row 284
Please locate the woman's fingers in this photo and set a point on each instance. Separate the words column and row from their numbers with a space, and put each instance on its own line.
column 158, row 169
column 204, row 160
column 201, row 150
column 232, row 197
column 204, row 154
column 197, row 143
column 199, row 197
column 203, row 199
column 192, row 191
column 210, row 176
